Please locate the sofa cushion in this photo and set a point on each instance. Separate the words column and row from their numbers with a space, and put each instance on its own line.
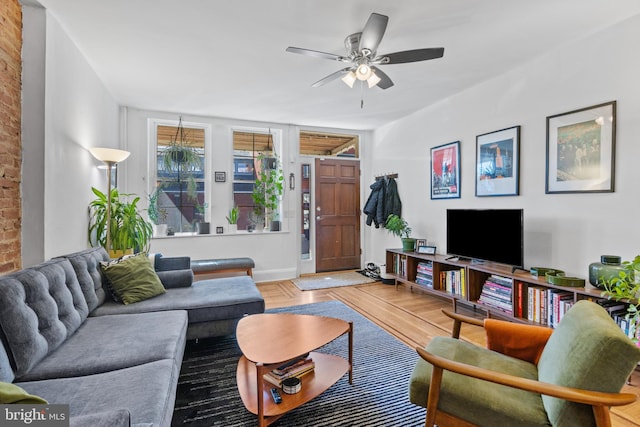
column 479, row 402
column 108, row 343
column 132, row 279
column 11, row 393
column 147, row 391
column 207, row 300
column 588, row 351
column 86, row 264
column 39, row 308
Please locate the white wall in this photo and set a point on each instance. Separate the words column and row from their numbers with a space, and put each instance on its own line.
column 79, row 113
column 565, row 231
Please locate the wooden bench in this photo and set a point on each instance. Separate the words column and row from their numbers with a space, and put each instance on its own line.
column 222, row 266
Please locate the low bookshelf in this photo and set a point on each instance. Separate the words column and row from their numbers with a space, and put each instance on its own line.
column 493, row 289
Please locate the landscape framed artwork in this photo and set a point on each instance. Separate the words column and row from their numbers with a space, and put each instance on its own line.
column 581, row 150
column 498, row 163
column 445, row 171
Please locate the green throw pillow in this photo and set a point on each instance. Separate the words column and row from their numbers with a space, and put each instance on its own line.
column 11, row 393
column 133, row 279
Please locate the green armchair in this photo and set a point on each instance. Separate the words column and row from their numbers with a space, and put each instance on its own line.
column 571, row 379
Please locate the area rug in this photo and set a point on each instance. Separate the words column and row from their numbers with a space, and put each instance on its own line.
column 207, row 393
column 331, row 280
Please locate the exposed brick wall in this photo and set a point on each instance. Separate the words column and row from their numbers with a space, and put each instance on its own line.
column 10, row 146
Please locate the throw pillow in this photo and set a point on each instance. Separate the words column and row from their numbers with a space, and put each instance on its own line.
column 11, row 393
column 133, row 279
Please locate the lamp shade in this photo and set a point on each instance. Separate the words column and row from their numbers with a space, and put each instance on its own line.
column 109, row 155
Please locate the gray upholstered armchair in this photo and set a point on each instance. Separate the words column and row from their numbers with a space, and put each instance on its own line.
column 569, row 377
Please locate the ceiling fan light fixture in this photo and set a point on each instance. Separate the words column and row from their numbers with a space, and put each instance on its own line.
column 363, row 72
column 349, row 79
column 373, row 80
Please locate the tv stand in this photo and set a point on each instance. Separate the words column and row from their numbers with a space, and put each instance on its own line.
column 463, row 281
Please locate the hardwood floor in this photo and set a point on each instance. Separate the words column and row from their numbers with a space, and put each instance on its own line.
column 411, row 316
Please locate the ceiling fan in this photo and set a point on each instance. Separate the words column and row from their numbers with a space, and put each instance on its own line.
column 363, row 58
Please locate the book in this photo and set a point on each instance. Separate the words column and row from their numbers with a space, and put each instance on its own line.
column 277, row 379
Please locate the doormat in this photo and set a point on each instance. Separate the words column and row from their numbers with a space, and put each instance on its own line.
column 331, row 280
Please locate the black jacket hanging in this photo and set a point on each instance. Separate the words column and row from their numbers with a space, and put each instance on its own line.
column 374, row 208
column 392, row 203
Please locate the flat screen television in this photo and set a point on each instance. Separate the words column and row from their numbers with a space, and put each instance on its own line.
column 486, row 234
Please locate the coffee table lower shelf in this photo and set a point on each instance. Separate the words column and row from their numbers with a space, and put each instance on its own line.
column 328, row 370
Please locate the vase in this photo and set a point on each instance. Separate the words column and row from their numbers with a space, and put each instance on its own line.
column 160, row 230
column 233, row 228
column 608, row 268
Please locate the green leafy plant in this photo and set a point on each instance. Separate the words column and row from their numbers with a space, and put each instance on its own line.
column 268, row 187
column 128, row 228
column 398, row 226
column 626, row 287
column 157, row 215
column 234, row 213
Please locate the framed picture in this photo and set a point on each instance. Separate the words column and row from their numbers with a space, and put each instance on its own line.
column 429, row 250
column 421, row 242
column 220, row 176
column 445, row 171
column 219, row 230
column 581, row 150
column 498, row 163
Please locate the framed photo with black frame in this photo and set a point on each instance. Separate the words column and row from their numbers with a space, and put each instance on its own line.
column 498, row 163
column 581, row 150
column 445, row 171
column 220, row 176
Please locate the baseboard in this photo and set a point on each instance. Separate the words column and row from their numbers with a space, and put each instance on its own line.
column 273, row 275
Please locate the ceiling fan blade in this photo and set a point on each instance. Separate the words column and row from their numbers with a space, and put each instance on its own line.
column 412, row 55
column 385, row 82
column 315, row 53
column 373, row 31
column 331, row 77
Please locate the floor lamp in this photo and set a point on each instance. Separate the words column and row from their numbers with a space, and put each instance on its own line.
column 110, row 156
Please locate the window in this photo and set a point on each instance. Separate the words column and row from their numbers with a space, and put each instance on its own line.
column 180, row 190
column 258, row 182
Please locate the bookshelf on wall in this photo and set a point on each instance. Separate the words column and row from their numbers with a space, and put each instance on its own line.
column 493, row 289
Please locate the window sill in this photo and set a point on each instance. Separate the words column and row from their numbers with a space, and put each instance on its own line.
column 237, row 233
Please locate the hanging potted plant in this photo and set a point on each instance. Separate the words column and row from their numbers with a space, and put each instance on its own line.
column 128, row 230
column 399, row 227
column 181, row 161
column 268, row 189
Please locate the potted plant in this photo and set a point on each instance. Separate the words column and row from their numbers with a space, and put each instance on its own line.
column 268, row 188
column 627, row 287
column 128, row 230
column 399, row 227
column 256, row 220
column 181, row 161
column 232, row 219
column 157, row 215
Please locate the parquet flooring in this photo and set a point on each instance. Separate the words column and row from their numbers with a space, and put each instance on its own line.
column 411, row 316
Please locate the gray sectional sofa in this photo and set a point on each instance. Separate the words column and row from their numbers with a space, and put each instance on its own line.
column 64, row 340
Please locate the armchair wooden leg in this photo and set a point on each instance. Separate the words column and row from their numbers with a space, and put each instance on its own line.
column 434, row 395
column 602, row 416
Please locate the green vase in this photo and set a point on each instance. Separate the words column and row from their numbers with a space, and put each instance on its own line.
column 408, row 244
column 608, row 268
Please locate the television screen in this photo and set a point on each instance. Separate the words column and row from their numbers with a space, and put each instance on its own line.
column 486, row 234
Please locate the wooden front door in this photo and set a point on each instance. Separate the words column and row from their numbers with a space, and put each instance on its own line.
column 337, row 214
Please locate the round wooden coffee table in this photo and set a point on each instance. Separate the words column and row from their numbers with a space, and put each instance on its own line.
column 271, row 339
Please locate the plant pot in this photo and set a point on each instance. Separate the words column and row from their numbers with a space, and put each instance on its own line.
column 233, row 228
column 160, row 230
column 408, row 244
column 202, row 227
column 119, row 253
column 274, row 226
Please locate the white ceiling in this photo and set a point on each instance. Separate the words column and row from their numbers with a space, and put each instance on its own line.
column 226, row 58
